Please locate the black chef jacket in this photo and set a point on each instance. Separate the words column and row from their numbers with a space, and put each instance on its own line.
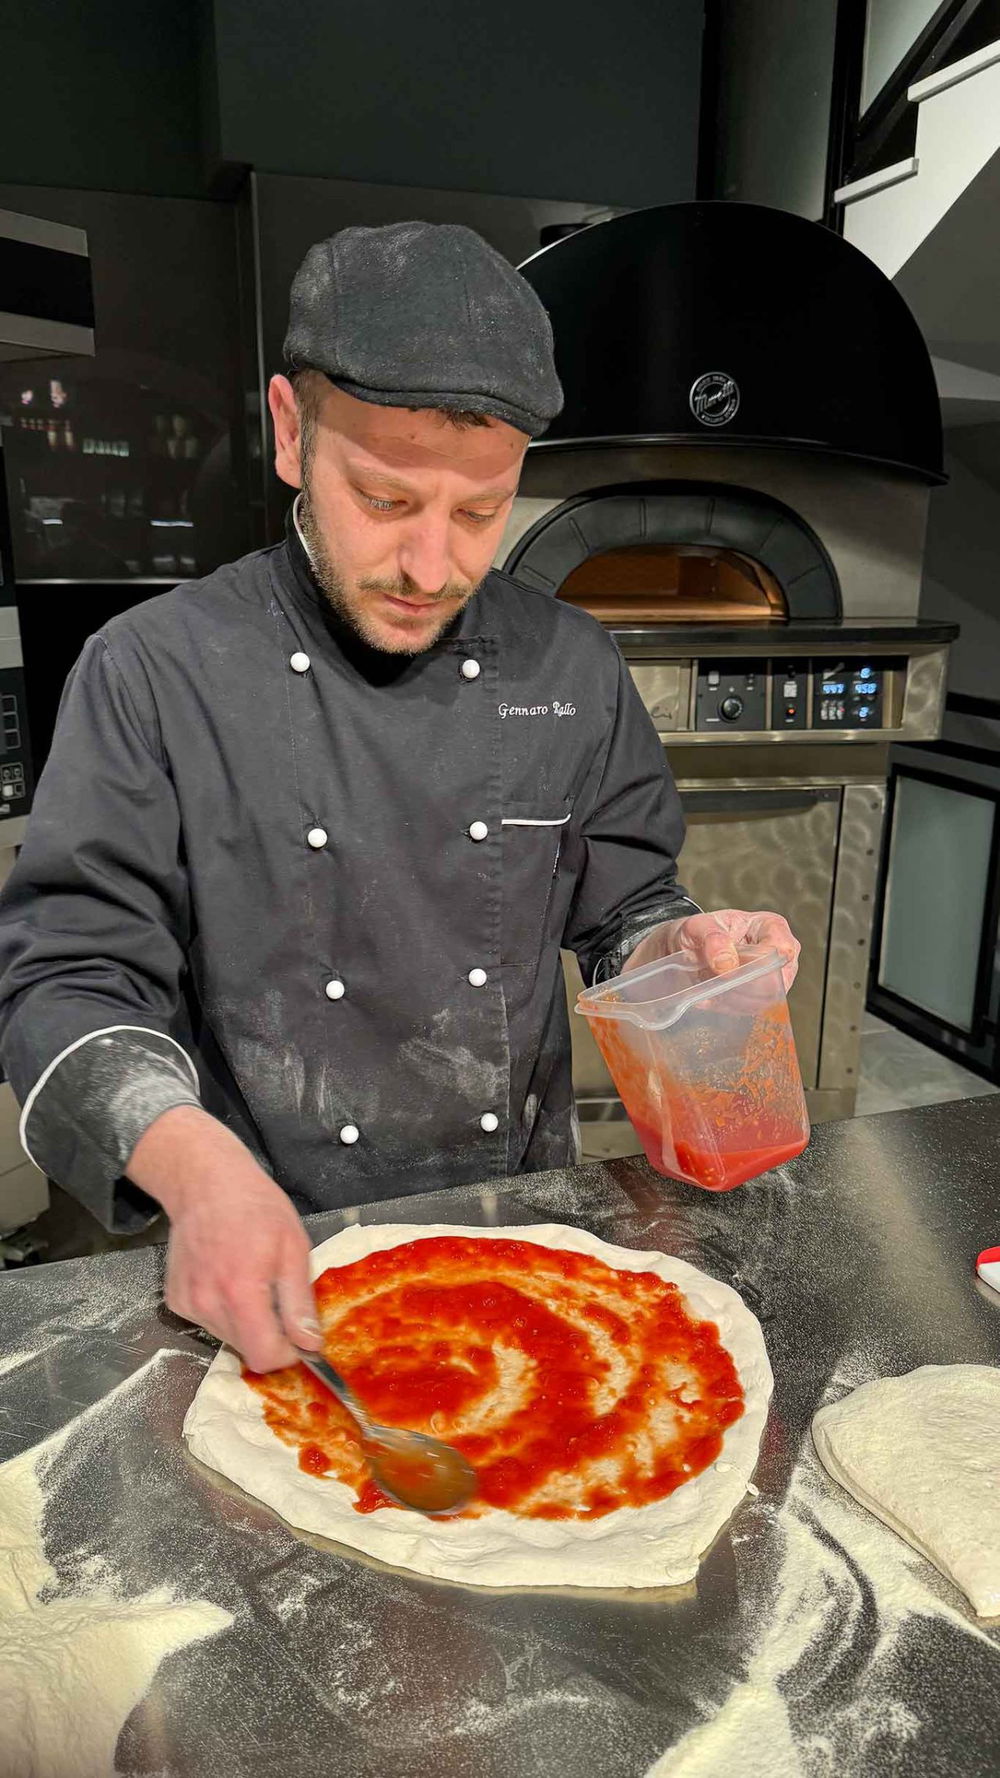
column 322, row 891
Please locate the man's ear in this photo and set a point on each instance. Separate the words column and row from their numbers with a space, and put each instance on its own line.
column 287, row 430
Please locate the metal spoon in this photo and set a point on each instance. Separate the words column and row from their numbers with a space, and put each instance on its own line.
column 409, row 1468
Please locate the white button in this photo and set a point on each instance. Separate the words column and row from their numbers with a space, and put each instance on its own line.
column 477, row 977
column 335, row 989
column 299, row 662
column 349, row 1134
column 471, row 669
column 317, row 837
column 478, row 830
column 489, row 1122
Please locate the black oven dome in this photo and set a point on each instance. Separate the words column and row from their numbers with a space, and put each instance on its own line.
column 737, row 324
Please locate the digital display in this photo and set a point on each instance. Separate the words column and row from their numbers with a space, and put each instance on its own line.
column 834, row 688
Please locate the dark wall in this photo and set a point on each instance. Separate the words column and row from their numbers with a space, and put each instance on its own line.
column 572, row 98
column 102, row 95
column 772, row 115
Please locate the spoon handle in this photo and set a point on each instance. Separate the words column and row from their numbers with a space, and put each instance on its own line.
column 315, row 1362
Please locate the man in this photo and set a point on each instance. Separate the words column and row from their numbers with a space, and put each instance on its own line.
column 285, row 930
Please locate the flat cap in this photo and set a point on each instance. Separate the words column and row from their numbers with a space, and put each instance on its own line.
column 423, row 314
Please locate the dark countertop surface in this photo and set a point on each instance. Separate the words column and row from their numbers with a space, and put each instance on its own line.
column 814, row 1641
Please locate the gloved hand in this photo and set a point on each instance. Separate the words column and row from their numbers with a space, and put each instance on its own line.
column 715, row 939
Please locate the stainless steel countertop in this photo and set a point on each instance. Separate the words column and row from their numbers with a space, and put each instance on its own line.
column 858, row 1260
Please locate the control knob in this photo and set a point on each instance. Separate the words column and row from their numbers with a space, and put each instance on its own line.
column 731, row 709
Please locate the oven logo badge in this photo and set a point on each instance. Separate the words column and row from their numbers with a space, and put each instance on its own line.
column 715, row 398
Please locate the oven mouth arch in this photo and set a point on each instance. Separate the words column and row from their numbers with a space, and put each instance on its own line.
column 738, row 521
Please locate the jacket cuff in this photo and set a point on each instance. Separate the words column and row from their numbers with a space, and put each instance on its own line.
column 87, row 1111
column 611, row 963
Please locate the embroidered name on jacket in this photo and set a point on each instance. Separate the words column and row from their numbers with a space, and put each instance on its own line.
column 553, row 709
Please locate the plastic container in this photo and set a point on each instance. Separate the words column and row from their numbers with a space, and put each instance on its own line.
column 706, row 1066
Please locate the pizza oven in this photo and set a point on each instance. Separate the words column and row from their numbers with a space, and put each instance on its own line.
column 737, row 488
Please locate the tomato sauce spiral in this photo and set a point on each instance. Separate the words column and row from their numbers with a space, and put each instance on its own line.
column 573, row 1388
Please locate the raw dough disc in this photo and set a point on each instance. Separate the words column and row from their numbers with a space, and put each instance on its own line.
column 922, row 1452
column 649, row 1546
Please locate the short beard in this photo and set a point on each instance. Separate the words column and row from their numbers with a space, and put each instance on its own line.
column 330, row 579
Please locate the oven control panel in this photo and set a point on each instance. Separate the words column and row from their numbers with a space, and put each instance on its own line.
column 848, row 694
column 731, row 695
column 818, row 695
column 16, row 782
column 789, row 694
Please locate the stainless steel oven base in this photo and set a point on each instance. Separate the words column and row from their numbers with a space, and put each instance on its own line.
column 823, row 1107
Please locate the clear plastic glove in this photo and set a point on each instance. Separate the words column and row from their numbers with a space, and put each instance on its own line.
column 715, row 941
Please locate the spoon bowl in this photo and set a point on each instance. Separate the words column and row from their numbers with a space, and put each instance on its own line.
column 415, row 1471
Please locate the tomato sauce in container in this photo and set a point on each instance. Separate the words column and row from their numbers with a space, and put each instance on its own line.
column 705, row 1065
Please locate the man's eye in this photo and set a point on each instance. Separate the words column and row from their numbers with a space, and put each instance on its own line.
column 480, row 518
column 378, row 505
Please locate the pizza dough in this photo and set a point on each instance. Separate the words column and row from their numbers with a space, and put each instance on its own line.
column 922, row 1452
column 655, row 1545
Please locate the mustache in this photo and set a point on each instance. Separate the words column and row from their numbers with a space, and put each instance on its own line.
column 404, row 589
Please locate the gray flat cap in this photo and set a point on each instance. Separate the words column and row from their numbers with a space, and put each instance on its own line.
column 423, row 314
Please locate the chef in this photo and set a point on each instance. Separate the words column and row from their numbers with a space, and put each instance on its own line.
column 284, row 933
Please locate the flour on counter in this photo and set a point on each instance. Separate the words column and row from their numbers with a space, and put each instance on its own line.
column 73, row 1666
column 13, row 1361
column 847, row 1588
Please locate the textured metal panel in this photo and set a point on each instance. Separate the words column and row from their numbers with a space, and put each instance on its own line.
column 784, row 860
column 850, row 934
column 923, row 700
column 781, row 858
column 696, row 767
column 665, row 689
column 824, row 1108
column 12, row 834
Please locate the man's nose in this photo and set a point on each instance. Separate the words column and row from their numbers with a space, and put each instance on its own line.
column 424, row 554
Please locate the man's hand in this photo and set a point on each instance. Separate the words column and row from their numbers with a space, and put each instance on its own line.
column 714, row 940
column 238, row 1259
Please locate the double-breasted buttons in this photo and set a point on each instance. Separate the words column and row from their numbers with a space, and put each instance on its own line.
column 478, row 830
column 489, row 1122
column 349, row 1134
column 317, row 838
column 477, row 978
column 471, row 669
column 299, row 662
column 335, row 989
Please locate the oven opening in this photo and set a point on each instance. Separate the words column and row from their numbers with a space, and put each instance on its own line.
column 675, row 583
column 676, row 553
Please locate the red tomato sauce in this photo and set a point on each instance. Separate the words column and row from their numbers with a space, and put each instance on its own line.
column 574, row 1389
column 713, row 1136
column 718, row 1169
